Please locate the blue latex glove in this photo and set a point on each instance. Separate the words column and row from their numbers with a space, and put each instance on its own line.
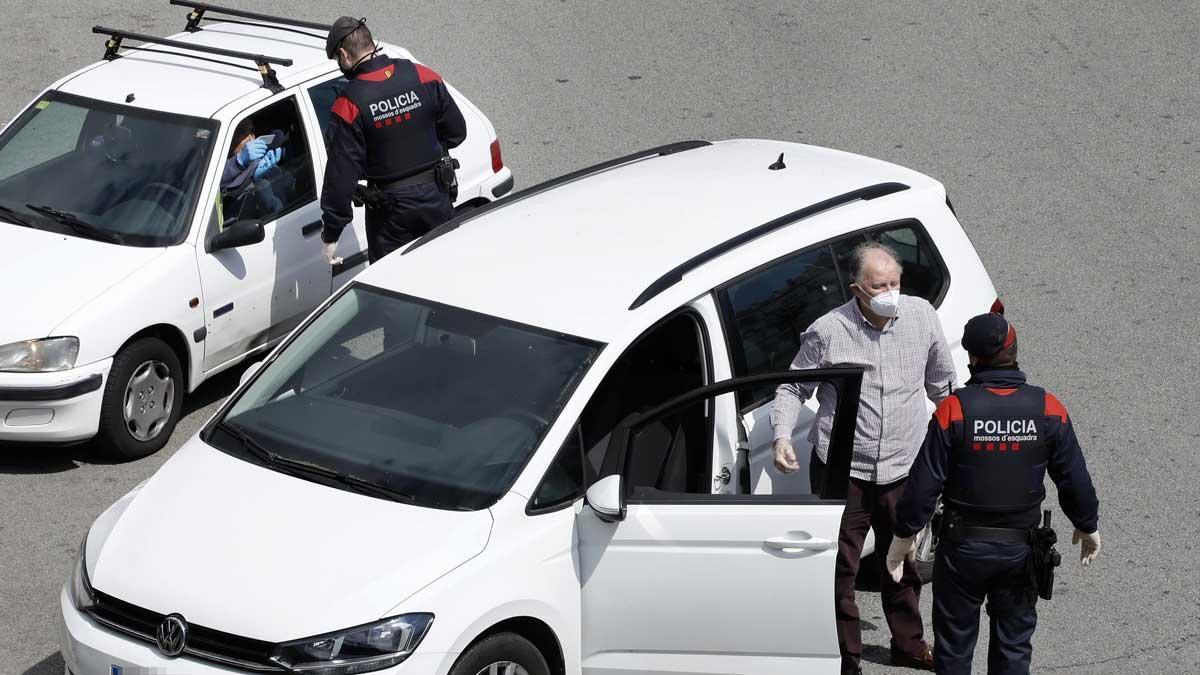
column 251, row 151
column 268, row 161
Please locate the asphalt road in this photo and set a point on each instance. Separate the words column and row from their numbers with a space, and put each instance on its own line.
column 1067, row 138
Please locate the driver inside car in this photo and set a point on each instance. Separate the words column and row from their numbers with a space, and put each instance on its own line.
column 251, row 172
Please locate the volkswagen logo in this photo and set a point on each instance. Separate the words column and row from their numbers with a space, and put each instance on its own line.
column 172, row 635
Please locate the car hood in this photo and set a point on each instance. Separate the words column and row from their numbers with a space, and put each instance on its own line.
column 246, row 550
column 50, row 276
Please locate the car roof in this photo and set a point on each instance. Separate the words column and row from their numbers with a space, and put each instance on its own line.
column 170, row 82
column 574, row 258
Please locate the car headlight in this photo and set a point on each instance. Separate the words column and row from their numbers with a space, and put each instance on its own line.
column 82, row 593
column 356, row 650
column 39, row 356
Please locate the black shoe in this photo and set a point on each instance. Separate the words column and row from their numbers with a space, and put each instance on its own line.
column 921, row 661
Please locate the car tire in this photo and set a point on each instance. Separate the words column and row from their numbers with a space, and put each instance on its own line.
column 143, row 400
column 512, row 653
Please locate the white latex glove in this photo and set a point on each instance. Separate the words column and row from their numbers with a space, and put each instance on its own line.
column 785, row 456
column 1089, row 545
column 327, row 252
column 897, row 552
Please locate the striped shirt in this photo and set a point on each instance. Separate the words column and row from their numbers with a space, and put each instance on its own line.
column 907, row 361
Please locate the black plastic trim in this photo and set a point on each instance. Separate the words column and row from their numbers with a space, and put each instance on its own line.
column 59, row 393
column 350, row 263
column 676, row 275
column 454, row 223
column 677, row 498
column 200, row 334
column 503, row 188
column 222, row 311
column 311, row 228
column 112, row 48
column 199, row 8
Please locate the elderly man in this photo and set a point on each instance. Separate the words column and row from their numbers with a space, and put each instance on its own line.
column 899, row 341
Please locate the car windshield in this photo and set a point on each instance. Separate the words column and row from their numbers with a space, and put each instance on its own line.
column 111, row 172
column 406, row 399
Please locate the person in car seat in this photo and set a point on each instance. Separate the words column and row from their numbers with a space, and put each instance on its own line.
column 249, row 168
column 898, row 339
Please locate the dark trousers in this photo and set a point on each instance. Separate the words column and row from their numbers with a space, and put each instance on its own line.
column 408, row 213
column 870, row 506
column 964, row 574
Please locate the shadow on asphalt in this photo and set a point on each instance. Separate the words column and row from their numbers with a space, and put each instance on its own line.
column 35, row 459
column 51, row 665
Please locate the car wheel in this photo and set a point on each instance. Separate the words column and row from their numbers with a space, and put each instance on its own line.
column 502, row 654
column 142, row 400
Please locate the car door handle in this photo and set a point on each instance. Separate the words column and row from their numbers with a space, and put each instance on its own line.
column 311, row 229
column 792, row 542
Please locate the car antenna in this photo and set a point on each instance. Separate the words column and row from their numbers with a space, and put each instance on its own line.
column 778, row 164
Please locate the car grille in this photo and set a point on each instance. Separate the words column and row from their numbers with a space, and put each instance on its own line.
column 202, row 643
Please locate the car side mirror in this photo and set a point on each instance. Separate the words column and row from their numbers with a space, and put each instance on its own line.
column 249, row 373
column 607, row 498
column 240, row 233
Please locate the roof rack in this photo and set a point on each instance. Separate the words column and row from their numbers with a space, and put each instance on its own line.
column 453, row 223
column 113, row 45
column 676, row 275
column 199, row 9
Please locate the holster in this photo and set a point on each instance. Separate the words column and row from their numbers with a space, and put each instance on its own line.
column 1043, row 558
column 446, row 178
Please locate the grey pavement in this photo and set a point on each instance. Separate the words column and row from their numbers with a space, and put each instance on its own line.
column 1066, row 134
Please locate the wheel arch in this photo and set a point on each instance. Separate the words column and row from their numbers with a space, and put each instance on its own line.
column 536, row 631
column 174, row 339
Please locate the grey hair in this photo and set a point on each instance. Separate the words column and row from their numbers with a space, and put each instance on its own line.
column 859, row 255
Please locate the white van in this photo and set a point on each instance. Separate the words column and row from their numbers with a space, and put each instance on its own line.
column 131, row 277
column 554, row 460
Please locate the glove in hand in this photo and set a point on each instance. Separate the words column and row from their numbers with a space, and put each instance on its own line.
column 251, row 151
column 267, row 162
column 900, row 549
column 1089, row 545
column 328, row 253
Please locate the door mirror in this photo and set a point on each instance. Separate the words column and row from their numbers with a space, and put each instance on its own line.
column 607, row 499
column 249, row 373
column 239, row 233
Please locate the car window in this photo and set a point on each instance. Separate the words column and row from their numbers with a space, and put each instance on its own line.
column 266, row 189
column 322, row 97
column 564, row 480
column 54, row 132
column 771, row 307
column 924, row 275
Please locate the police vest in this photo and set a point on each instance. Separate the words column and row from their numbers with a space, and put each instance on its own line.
column 999, row 462
column 396, row 104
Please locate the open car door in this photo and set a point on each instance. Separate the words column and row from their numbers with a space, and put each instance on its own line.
column 677, row 582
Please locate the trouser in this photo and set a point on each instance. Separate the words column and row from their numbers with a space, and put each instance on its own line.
column 964, row 574
column 408, row 212
column 870, row 506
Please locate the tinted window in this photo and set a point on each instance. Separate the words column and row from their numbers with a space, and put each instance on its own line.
column 923, row 275
column 564, row 480
column 438, row 403
column 770, row 308
column 323, row 95
column 265, row 189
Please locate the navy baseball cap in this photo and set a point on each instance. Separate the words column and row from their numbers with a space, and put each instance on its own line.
column 986, row 334
column 343, row 27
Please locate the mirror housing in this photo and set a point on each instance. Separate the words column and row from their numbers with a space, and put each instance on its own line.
column 239, row 233
column 249, row 373
column 607, row 498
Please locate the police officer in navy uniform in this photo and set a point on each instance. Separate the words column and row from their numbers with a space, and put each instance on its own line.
column 986, row 452
column 392, row 124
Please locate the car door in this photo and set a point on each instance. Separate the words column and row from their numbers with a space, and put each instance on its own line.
column 352, row 245
column 257, row 292
column 676, row 581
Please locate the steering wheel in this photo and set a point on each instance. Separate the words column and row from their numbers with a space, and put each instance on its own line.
column 160, row 190
column 525, row 416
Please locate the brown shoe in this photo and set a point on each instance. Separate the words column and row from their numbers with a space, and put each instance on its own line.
column 921, row 661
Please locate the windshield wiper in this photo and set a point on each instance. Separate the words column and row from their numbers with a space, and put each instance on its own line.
column 75, row 223
column 296, row 466
column 15, row 216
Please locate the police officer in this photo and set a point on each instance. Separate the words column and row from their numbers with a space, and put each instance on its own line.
column 392, row 125
column 986, row 452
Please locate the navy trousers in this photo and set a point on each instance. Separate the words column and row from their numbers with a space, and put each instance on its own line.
column 410, row 212
column 966, row 574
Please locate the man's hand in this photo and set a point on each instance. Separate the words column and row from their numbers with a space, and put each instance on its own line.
column 897, row 552
column 327, row 252
column 785, row 456
column 1089, row 545
column 251, row 151
column 267, row 162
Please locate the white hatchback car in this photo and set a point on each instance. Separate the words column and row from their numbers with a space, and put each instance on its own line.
column 132, row 274
column 555, row 460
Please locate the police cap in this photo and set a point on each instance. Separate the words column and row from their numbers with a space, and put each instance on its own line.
column 986, row 334
column 344, row 26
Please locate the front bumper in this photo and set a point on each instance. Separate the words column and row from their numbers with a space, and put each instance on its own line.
column 89, row 649
column 60, row 407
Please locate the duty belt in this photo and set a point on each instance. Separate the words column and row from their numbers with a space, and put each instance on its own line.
column 957, row 531
column 419, row 178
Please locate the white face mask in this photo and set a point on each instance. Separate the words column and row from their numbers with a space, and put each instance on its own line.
column 886, row 304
